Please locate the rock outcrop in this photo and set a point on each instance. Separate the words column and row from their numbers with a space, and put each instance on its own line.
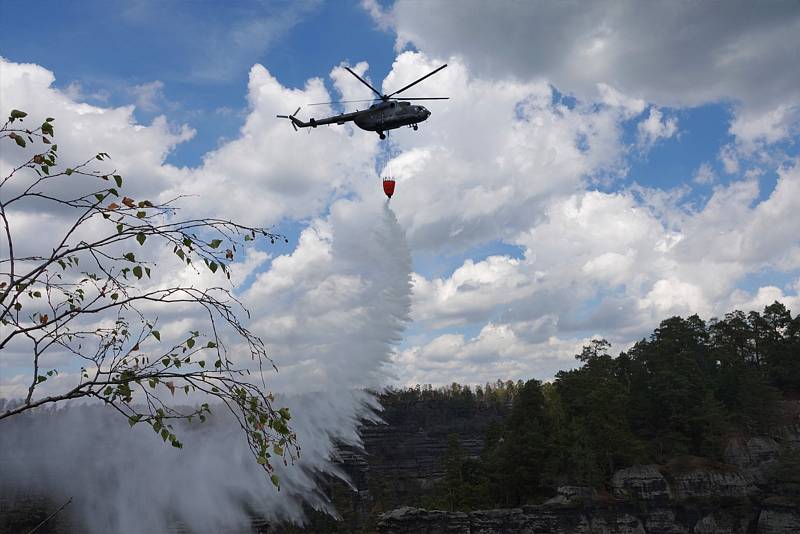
column 591, row 518
column 779, row 516
column 689, row 495
column 641, row 483
column 754, row 455
column 413, row 441
column 692, row 477
column 721, row 523
column 527, row 519
column 685, row 478
column 570, row 495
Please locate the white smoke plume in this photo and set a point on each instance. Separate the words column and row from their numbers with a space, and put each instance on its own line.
column 330, row 313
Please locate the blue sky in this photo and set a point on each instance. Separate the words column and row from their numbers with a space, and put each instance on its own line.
column 107, row 47
column 579, row 183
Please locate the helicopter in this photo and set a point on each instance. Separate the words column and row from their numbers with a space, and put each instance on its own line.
column 387, row 113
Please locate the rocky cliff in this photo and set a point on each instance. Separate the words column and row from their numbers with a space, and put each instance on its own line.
column 404, row 457
column 747, row 493
column 603, row 515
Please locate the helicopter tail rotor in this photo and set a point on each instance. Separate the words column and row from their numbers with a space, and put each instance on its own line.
column 292, row 118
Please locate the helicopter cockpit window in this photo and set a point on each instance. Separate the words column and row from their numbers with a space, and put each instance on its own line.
column 393, row 104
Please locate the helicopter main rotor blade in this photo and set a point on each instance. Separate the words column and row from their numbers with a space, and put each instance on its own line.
column 423, row 98
column 365, row 83
column 340, row 102
column 416, row 82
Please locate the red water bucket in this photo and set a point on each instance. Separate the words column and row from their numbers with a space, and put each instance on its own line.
column 388, row 187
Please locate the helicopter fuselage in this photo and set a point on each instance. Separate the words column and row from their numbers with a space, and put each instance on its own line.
column 390, row 115
column 379, row 117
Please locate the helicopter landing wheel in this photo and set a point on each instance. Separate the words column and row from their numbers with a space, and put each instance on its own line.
column 381, row 135
column 415, row 127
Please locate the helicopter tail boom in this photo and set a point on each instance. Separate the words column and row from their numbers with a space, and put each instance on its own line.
column 313, row 123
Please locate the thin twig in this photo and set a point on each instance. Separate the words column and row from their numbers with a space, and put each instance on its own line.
column 51, row 516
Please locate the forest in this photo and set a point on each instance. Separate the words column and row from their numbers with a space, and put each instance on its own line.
column 679, row 393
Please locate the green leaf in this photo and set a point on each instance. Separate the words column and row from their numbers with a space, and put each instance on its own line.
column 118, row 180
column 202, row 363
column 261, row 460
column 20, row 141
column 190, row 342
column 49, row 119
column 156, row 334
column 276, row 481
column 40, row 379
column 215, row 243
column 280, row 427
column 99, row 196
column 132, row 420
column 68, row 171
column 141, row 214
column 213, row 266
column 129, row 256
column 165, row 361
column 17, row 114
column 37, row 294
column 46, row 169
column 140, row 237
column 211, row 345
column 47, row 128
column 164, row 434
column 137, row 271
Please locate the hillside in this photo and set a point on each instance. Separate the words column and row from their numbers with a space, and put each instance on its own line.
column 695, row 429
